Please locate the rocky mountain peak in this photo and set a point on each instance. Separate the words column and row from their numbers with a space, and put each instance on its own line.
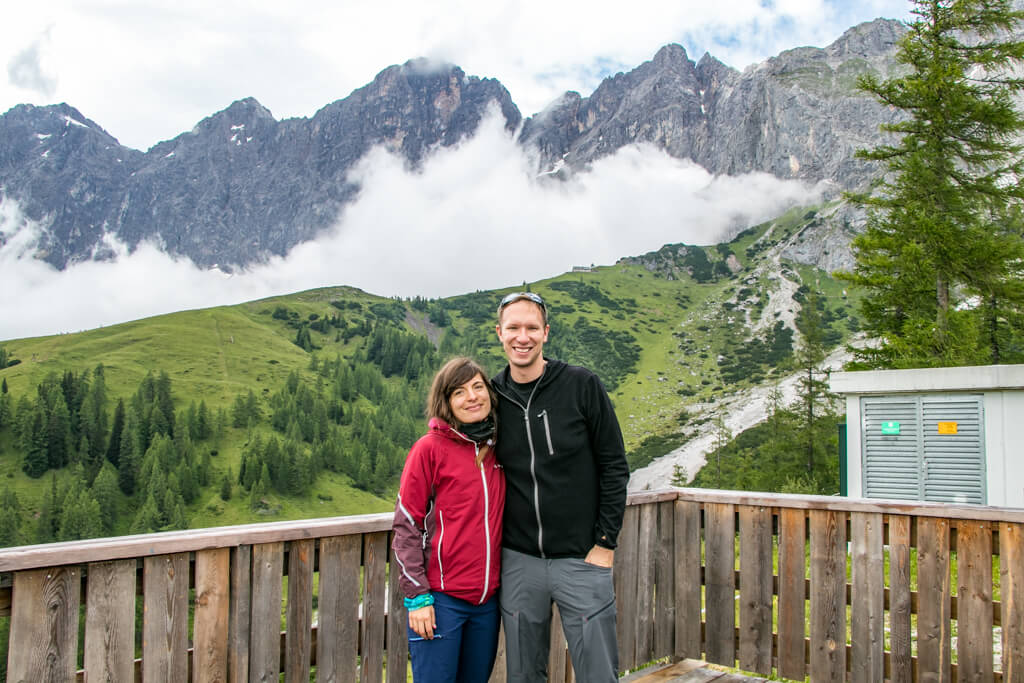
column 714, row 75
column 870, row 39
column 670, row 54
column 54, row 119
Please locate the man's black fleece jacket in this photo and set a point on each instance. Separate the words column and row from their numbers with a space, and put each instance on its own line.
column 565, row 464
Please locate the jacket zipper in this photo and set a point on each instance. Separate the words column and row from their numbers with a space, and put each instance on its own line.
column 440, row 541
column 536, row 486
column 487, row 526
column 533, row 465
column 543, row 415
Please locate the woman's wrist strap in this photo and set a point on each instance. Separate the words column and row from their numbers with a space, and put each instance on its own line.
column 419, row 601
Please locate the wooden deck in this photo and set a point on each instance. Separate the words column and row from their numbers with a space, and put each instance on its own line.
column 687, row 671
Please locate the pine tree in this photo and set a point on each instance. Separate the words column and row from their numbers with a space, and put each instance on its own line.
column 203, row 429
column 225, row 487
column 191, row 420
column 116, row 429
column 94, row 420
column 147, row 519
column 943, row 237
column 679, row 476
column 6, row 407
column 722, row 437
column 127, row 470
column 58, row 434
column 164, row 401
column 303, row 339
column 48, row 522
column 187, row 482
column 33, row 444
column 105, row 490
column 815, row 402
column 10, row 518
column 80, row 516
column 203, row 470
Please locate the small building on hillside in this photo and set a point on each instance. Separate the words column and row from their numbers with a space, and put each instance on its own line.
column 937, row 434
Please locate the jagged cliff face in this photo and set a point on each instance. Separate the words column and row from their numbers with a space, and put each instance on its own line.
column 241, row 185
column 797, row 115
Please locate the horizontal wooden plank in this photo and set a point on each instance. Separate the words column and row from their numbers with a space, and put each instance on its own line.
column 841, row 504
column 191, row 540
column 123, row 547
column 659, row 496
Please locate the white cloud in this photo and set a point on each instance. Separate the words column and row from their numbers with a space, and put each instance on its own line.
column 28, row 69
column 475, row 217
column 147, row 70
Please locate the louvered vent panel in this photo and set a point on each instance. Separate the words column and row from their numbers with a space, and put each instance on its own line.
column 954, row 463
column 891, row 461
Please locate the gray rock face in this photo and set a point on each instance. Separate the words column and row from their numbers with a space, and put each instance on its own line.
column 242, row 185
column 797, row 115
column 62, row 168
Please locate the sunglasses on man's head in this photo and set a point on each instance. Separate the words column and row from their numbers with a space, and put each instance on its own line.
column 519, row 296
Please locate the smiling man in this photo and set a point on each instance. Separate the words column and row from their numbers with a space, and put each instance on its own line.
column 566, row 474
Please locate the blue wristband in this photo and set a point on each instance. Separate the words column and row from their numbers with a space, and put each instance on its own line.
column 420, row 601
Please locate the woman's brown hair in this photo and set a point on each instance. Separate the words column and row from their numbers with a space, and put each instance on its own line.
column 451, row 376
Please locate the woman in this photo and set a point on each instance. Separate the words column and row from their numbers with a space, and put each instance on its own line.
column 447, row 539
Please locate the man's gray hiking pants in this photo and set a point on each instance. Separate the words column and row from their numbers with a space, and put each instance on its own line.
column 585, row 597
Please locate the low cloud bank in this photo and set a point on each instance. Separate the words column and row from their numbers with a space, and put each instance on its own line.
column 474, row 217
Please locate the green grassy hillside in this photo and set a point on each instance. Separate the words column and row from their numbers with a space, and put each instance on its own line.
column 664, row 331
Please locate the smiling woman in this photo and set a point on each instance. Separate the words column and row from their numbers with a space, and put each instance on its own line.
column 450, row 506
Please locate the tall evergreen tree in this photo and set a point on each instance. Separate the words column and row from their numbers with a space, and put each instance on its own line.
column 58, row 434
column 94, row 420
column 33, row 444
column 80, row 515
column 203, row 426
column 147, row 519
column 10, row 518
column 225, row 486
column 105, row 490
column 6, row 406
column 48, row 522
column 815, row 403
column 127, row 469
column 943, row 249
column 116, row 430
column 164, row 401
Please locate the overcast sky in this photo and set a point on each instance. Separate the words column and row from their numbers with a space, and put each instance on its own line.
column 148, row 70
column 474, row 218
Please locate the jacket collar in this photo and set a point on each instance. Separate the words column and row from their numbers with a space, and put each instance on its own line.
column 438, row 425
column 552, row 368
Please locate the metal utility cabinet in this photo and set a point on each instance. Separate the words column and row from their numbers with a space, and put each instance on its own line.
column 939, row 434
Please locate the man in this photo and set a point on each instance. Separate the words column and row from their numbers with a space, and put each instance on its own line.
column 566, row 473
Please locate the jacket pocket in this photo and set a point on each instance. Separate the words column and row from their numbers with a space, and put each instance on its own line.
column 543, row 415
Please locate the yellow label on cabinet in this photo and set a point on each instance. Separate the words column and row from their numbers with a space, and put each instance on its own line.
column 947, row 427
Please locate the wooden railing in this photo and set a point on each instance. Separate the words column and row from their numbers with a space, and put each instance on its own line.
column 827, row 588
